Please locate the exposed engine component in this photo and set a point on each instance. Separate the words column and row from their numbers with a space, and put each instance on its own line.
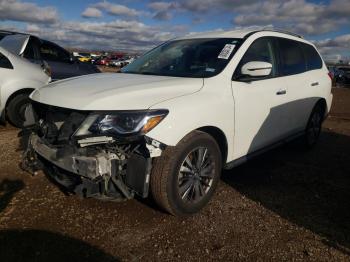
column 101, row 166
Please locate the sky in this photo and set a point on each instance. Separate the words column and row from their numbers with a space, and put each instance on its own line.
column 138, row 25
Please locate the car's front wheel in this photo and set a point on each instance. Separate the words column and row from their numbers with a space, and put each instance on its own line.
column 184, row 178
column 16, row 108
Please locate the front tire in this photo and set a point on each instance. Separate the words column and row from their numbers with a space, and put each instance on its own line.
column 16, row 108
column 185, row 177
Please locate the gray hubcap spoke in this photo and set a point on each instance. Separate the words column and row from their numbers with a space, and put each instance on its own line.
column 196, row 175
column 185, row 169
column 185, row 188
column 188, row 162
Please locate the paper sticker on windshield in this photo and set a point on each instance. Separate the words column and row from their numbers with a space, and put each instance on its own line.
column 226, row 51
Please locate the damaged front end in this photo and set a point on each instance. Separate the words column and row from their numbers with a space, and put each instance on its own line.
column 92, row 154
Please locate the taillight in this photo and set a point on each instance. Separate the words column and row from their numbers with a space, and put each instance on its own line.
column 330, row 75
column 46, row 68
column 48, row 71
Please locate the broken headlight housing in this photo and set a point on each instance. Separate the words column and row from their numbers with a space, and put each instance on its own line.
column 122, row 123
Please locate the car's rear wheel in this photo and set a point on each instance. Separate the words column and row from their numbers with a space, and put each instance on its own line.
column 314, row 126
column 16, row 108
column 184, row 178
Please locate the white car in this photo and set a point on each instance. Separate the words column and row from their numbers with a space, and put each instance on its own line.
column 18, row 78
column 177, row 115
column 117, row 62
column 129, row 61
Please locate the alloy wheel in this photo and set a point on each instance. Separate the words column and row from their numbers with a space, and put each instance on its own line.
column 196, row 175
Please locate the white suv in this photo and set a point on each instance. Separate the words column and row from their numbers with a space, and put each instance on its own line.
column 178, row 115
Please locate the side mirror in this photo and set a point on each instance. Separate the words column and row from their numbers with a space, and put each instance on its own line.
column 256, row 69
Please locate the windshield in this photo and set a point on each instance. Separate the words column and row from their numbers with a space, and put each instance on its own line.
column 186, row 58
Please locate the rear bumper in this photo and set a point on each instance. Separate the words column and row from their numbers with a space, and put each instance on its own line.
column 329, row 101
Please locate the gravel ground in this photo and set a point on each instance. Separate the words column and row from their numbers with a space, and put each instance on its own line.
column 287, row 205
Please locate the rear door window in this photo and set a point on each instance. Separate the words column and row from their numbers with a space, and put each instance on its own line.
column 4, row 62
column 32, row 49
column 313, row 59
column 292, row 57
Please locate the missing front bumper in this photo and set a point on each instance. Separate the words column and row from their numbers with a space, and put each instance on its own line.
column 103, row 175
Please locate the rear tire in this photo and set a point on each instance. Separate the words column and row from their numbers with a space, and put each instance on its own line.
column 16, row 108
column 185, row 177
column 314, row 126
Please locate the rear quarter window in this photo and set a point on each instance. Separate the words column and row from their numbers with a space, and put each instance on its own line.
column 4, row 62
column 291, row 56
column 313, row 59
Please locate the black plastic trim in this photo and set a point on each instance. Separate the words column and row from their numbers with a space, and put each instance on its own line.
column 252, row 155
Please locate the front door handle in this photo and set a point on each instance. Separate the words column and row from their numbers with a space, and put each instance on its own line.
column 281, row 92
column 315, row 84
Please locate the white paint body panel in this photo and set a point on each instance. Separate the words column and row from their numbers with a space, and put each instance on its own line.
column 250, row 115
column 112, row 91
column 24, row 75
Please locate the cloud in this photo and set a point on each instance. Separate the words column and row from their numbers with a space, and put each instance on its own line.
column 163, row 15
column 208, row 6
column 15, row 10
column 336, row 45
column 338, row 9
column 91, row 12
column 161, row 6
column 163, row 10
column 301, row 16
column 114, row 35
column 116, row 9
column 297, row 15
column 128, row 32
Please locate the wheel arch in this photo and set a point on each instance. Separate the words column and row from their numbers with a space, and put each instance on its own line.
column 323, row 103
column 219, row 137
column 18, row 92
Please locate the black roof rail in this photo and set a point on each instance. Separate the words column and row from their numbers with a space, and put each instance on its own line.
column 276, row 31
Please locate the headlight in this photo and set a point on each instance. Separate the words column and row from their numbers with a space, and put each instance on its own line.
column 121, row 123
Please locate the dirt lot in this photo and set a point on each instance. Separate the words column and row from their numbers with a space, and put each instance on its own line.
column 286, row 205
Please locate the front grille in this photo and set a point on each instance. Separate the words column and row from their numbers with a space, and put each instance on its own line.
column 56, row 124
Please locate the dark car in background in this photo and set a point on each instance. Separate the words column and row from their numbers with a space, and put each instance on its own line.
column 61, row 63
column 343, row 76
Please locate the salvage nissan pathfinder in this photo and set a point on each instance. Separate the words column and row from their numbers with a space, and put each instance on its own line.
column 176, row 116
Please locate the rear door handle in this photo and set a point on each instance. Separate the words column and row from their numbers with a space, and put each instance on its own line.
column 281, row 92
column 315, row 84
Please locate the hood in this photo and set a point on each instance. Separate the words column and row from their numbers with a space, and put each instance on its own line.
column 16, row 44
column 113, row 91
